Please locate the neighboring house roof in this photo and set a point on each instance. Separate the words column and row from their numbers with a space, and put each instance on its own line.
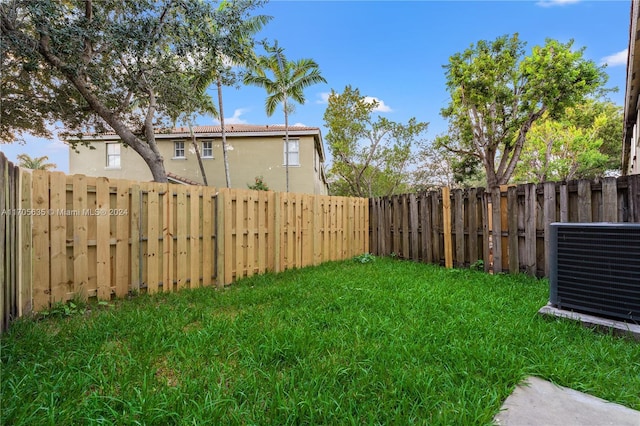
column 633, row 86
column 243, row 128
column 182, row 180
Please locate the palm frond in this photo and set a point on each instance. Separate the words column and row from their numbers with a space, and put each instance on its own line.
column 286, row 79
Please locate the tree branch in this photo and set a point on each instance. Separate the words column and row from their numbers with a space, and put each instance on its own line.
column 522, row 135
column 87, row 54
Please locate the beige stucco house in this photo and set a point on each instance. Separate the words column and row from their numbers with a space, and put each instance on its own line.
column 252, row 151
column 631, row 141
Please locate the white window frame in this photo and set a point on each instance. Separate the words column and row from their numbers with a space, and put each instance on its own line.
column 115, row 156
column 294, row 151
column 176, row 149
column 204, row 155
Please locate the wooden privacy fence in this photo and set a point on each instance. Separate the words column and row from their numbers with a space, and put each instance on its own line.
column 460, row 227
column 68, row 236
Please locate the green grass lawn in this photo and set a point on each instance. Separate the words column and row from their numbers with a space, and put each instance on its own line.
column 386, row 342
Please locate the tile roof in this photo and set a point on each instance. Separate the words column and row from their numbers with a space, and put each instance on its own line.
column 238, row 128
column 182, row 179
column 229, row 128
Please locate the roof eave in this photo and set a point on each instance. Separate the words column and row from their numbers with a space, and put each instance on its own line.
column 631, row 91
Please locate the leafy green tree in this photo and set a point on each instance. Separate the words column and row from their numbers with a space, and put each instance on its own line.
column 125, row 66
column 610, row 129
column 371, row 156
column 437, row 167
column 35, row 163
column 289, row 79
column 498, row 93
column 572, row 147
column 259, row 184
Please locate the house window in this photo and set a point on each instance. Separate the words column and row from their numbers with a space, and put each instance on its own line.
column 113, row 155
column 294, row 152
column 178, row 150
column 207, row 149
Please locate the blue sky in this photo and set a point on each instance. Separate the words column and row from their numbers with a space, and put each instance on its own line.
column 394, row 51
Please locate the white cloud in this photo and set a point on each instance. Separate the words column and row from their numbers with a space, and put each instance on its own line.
column 324, row 98
column 618, row 58
column 551, row 3
column 235, row 119
column 290, row 125
column 381, row 107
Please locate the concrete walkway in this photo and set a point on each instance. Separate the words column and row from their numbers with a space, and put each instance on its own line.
column 537, row 402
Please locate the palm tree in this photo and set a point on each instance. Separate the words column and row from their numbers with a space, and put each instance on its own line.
column 37, row 163
column 222, row 56
column 290, row 78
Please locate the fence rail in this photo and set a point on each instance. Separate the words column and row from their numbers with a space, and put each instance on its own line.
column 68, row 236
column 461, row 227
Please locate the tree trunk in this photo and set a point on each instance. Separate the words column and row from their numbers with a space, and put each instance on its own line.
column 286, row 141
column 151, row 157
column 198, row 156
column 148, row 151
column 224, row 135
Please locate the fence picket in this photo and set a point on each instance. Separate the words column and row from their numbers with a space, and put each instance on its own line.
column 530, row 229
column 446, row 225
column 182, row 270
column 633, row 201
column 549, row 209
column 153, row 247
column 122, row 237
column 195, row 213
column 458, row 215
column 609, row 200
column 135, row 213
column 25, row 243
column 41, row 238
column 80, row 225
column 512, row 205
column 58, row 219
column 584, row 201
column 208, row 257
column 103, row 241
